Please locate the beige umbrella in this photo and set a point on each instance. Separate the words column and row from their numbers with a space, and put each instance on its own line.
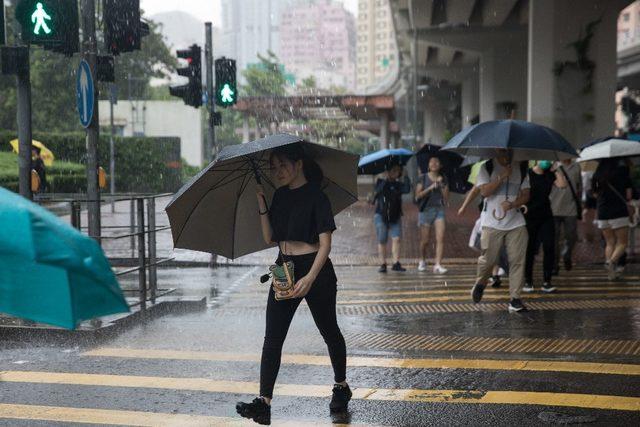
column 217, row 211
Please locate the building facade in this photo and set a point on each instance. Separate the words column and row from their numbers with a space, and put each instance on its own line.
column 376, row 49
column 251, row 27
column 629, row 26
column 318, row 39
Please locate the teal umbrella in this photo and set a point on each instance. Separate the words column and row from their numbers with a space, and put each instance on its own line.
column 49, row 271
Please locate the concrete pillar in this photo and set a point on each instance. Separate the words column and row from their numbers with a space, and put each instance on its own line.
column 245, row 127
column 470, row 100
column 434, row 123
column 540, row 81
column 605, row 77
column 487, row 86
column 384, row 129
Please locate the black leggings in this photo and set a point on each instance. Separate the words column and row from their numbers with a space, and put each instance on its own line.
column 322, row 304
column 540, row 231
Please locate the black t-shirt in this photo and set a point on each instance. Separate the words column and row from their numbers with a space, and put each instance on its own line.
column 609, row 204
column 539, row 205
column 301, row 214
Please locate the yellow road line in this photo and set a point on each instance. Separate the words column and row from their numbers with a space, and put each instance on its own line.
column 382, row 362
column 575, row 400
column 488, row 296
column 126, row 418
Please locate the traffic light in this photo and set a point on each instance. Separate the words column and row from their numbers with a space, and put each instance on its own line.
column 226, row 87
column 122, row 26
column 191, row 93
column 53, row 24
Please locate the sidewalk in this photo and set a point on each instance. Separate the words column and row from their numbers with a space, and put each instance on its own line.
column 354, row 242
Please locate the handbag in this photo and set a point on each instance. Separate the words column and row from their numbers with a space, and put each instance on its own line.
column 573, row 194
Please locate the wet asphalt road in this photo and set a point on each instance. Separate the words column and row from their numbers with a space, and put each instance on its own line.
column 420, row 354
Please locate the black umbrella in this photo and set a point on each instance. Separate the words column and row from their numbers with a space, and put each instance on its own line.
column 457, row 175
column 217, row 211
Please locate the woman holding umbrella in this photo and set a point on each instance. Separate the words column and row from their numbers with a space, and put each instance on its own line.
column 300, row 221
column 432, row 194
column 613, row 190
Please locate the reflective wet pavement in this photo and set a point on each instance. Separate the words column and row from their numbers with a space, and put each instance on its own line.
column 419, row 354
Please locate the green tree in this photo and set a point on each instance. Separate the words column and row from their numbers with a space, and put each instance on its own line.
column 265, row 78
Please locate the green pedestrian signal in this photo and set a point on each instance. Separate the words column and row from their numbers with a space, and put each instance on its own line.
column 39, row 18
column 53, row 24
column 226, row 88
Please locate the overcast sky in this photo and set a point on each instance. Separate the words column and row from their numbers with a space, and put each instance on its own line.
column 206, row 10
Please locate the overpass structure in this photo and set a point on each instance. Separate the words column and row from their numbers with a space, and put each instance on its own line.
column 552, row 62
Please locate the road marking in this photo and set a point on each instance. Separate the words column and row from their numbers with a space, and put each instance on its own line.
column 379, row 362
column 127, row 418
column 488, row 296
column 591, row 401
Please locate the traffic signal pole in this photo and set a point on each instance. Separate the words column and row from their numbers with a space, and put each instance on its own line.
column 23, row 79
column 211, row 136
column 89, row 53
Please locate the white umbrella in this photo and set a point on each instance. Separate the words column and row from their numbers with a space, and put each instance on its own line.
column 610, row 148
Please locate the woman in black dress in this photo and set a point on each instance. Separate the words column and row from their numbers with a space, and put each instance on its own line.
column 300, row 221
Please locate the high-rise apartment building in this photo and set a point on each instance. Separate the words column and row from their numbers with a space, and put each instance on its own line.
column 318, row 39
column 629, row 26
column 376, row 49
column 251, row 27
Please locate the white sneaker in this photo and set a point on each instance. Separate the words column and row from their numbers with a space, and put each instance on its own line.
column 501, row 272
column 438, row 269
column 422, row 266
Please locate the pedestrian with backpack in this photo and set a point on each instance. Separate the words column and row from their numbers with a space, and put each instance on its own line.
column 388, row 214
column 432, row 195
column 505, row 186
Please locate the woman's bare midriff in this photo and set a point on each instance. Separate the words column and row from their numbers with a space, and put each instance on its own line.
column 298, row 248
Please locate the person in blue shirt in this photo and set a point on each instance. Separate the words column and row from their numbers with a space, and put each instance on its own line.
column 388, row 214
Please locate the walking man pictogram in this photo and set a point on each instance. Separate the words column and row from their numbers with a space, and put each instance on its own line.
column 40, row 15
column 227, row 93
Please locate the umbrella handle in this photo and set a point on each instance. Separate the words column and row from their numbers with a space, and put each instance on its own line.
column 499, row 218
column 524, row 209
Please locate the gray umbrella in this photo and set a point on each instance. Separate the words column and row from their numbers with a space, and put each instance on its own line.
column 217, row 211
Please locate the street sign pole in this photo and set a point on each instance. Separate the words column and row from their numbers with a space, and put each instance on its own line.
column 211, row 136
column 89, row 51
column 23, row 79
column 112, row 150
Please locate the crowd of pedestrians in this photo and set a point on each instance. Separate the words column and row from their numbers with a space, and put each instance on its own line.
column 526, row 207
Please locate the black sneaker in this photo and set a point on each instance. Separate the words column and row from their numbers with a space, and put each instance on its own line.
column 548, row 288
column 528, row 287
column 516, row 306
column 340, row 399
column 477, row 291
column 398, row 267
column 383, row 268
column 568, row 265
column 258, row 411
column 496, row 282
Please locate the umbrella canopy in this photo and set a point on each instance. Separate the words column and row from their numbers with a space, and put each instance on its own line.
column 528, row 141
column 217, row 211
column 452, row 166
column 52, row 273
column 610, row 148
column 379, row 161
column 45, row 153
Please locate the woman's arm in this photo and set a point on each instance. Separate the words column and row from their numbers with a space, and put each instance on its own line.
column 445, row 193
column 303, row 285
column 267, row 232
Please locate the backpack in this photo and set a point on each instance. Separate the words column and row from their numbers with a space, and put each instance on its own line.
column 391, row 204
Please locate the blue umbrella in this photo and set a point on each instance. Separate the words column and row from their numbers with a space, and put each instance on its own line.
column 379, row 161
column 49, row 271
column 528, row 141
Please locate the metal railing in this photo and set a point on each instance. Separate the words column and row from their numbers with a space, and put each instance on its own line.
column 141, row 231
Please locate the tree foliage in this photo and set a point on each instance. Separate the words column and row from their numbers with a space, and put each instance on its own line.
column 265, row 78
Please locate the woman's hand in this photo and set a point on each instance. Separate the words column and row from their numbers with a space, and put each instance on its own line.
column 302, row 286
column 262, row 200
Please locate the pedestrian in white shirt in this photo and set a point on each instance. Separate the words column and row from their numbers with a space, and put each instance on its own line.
column 505, row 186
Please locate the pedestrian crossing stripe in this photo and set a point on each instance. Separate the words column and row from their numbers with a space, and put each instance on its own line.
column 575, row 400
column 378, row 362
column 130, row 418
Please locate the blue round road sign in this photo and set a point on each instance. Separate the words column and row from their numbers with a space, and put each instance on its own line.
column 85, row 93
